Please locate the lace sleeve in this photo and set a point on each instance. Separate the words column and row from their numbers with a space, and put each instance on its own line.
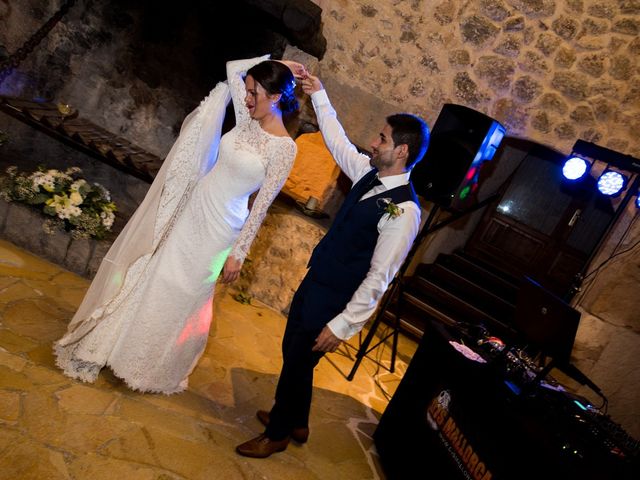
column 236, row 70
column 281, row 156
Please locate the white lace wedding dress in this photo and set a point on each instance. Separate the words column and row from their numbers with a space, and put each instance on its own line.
column 153, row 328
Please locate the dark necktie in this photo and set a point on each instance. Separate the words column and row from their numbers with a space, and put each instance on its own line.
column 367, row 185
column 375, row 181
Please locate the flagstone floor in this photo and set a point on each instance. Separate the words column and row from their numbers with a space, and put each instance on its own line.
column 52, row 427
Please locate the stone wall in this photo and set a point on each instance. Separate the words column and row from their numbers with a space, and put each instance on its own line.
column 551, row 71
column 608, row 342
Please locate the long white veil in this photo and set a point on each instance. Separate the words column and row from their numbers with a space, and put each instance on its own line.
column 193, row 154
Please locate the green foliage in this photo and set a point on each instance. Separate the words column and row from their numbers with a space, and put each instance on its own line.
column 243, row 298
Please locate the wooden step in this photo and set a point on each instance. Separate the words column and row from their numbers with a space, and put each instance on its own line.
column 416, row 313
column 432, row 298
column 499, row 285
column 488, row 267
column 471, row 291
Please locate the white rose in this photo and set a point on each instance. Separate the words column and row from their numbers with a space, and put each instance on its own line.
column 107, row 219
column 63, row 212
column 74, row 211
column 77, row 185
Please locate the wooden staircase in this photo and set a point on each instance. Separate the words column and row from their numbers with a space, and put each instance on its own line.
column 456, row 288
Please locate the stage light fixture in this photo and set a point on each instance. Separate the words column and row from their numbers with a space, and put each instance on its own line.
column 611, row 183
column 575, row 168
column 638, row 199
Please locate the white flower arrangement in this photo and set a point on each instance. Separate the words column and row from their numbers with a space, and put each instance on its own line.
column 84, row 209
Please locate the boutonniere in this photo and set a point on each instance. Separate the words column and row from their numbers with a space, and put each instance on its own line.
column 390, row 208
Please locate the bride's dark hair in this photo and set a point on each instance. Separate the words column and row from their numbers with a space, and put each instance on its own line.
column 276, row 78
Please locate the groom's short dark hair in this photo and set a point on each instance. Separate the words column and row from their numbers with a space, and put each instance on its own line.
column 410, row 130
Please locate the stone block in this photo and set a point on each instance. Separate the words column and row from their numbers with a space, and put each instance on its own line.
column 54, row 245
column 9, row 406
column 78, row 256
column 572, row 85
column 301, row 19
column 477, row 30
column 99, row 251
column 82, row 400
column 24, row 227
column 4, row 211
column 314, row 173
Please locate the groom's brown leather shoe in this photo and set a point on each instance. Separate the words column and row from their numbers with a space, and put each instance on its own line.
column 300, row 434
column 262, row 447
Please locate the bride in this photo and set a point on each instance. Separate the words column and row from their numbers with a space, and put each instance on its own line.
column 147, row 312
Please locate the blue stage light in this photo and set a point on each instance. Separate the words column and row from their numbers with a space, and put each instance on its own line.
column 638, row 199
column 611, row 183
column 575, row 168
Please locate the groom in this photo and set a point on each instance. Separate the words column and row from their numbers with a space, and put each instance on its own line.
column 350, row 268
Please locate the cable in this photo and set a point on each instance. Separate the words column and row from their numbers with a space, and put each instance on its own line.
column 591, row 275
column 605, row 403
column 378, row 362
column 617, row 245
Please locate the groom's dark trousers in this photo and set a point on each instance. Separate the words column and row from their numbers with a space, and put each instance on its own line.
column 338, row 265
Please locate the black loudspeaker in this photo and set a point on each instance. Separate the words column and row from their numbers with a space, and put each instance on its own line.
column 462, row 139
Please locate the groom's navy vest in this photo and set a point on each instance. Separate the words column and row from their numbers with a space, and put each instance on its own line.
column 341, row 260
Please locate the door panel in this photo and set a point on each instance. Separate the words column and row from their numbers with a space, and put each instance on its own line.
column 591, row 225
column 564, row 267
column 512, row 243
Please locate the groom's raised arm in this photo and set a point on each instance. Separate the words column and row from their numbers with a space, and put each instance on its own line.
column 353, row 163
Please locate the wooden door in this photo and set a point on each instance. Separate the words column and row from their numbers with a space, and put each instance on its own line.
column 543, row 226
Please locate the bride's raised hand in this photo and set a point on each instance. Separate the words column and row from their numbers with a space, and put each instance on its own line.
column 299, row 70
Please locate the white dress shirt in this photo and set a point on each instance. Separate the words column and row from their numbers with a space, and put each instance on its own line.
column 396, row 235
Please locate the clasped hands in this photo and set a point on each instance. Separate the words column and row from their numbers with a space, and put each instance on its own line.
column 310, row 84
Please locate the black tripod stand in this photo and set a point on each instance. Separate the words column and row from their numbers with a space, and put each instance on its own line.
column 397, row 286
